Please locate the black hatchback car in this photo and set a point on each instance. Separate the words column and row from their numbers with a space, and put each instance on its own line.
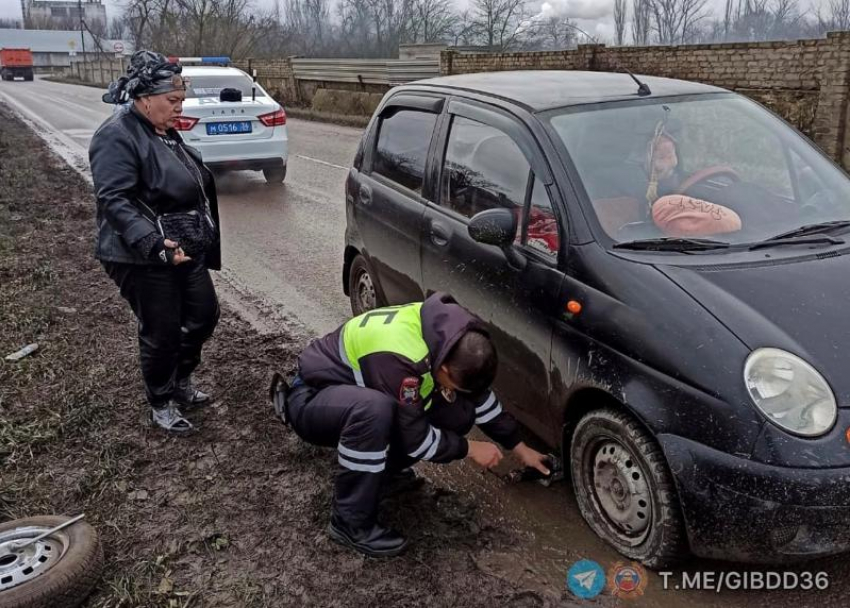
column 665, row 273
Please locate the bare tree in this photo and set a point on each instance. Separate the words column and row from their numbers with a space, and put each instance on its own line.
column 755, row 20
column 641, row 22
column 621, row 10
column 433, row 20
column 677, row 21
column 307, row 26
column 463, row 29
column 835, row 16
column 117, row 29
column 10, row 24
column 499, row 24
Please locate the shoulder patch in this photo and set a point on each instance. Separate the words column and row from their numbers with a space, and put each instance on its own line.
column 409, row 392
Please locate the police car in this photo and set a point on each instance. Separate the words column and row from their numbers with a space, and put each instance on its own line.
column 232, row 133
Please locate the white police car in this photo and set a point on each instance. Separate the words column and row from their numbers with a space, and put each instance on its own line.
column 232, row 135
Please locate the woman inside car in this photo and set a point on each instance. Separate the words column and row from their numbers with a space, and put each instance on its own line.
column 158, row 238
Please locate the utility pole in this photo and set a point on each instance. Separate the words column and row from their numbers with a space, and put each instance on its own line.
column 82, row 35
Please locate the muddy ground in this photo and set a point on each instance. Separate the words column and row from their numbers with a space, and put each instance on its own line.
column 232, row 516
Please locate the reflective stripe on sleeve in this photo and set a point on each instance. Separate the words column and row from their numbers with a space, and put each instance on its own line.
column 487, row 404
column 429, row 446
column 358, row 375
column 487, row 417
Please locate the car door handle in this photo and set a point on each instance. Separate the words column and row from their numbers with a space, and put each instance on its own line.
column 439, row 234
column 365, row 194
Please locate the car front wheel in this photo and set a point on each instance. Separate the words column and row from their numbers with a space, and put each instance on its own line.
column 624, row 488
column 361, row 287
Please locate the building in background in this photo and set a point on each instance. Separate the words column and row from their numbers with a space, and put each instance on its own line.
column 54, row 49
column 64, row 14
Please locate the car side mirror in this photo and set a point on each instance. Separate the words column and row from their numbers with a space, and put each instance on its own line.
column 497, row 227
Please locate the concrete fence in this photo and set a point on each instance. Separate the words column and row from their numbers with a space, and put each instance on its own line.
column 296, row 80
column 98, row 71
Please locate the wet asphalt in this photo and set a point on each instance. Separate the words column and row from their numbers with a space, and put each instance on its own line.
column 283, row 247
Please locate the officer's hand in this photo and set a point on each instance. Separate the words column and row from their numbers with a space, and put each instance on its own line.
column 531, row 457
column 484, row 454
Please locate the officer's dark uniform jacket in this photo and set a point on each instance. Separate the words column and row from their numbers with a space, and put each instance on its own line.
column 131, row 164
column 396, row 350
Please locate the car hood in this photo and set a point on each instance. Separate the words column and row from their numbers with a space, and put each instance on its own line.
column 799, row 305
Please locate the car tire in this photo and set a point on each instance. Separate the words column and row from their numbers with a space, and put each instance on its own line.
column 362, row 287
column 64, row 583
column 275, row 175
column 624, row 488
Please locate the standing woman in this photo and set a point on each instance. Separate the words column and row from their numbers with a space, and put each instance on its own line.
column 158, row 237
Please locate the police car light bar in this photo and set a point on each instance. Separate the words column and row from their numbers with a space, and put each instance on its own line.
column 185, row 60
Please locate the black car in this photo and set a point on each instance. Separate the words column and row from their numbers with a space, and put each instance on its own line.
column 665, row 272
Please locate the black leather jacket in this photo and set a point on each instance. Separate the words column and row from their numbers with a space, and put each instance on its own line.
column 130, row 163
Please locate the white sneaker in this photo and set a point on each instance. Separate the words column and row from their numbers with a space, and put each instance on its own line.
column 170, row 419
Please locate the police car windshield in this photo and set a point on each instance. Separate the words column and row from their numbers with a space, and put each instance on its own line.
column 704, row 166
column 211, row 86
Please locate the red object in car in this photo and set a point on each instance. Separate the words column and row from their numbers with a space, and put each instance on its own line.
column 275, row 119
column 185, row 123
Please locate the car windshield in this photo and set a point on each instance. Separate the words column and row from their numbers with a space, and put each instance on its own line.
column 716, row 167
column 211, row 86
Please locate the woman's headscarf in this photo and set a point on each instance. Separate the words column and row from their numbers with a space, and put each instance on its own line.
column 149, row 73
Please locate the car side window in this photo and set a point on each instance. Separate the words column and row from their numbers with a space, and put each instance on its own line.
column 401, row 150
column 483, row 169
column 541, row 226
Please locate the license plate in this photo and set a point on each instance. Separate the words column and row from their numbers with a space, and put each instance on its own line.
column 228, row 128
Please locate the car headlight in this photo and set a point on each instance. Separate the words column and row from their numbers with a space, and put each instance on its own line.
column 790, row 392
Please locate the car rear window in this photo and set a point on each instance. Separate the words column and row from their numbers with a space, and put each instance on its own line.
column 211, row 86
column 402, row 148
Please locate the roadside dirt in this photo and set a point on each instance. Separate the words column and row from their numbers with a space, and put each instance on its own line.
column 232, row 516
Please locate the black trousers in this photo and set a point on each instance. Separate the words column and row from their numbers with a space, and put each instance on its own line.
column 177, row 311
column 360, row 423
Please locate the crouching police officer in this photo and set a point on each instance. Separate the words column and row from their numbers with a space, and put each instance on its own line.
column 389, row 388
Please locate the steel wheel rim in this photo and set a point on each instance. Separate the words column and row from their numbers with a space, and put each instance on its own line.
column 19, row 567
column 619, row 489
column 366, row 291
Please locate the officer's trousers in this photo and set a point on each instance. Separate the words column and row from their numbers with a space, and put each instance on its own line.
column 360, row 423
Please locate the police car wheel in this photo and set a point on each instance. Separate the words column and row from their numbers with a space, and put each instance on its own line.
column 624, row 488
column 361, row 287
column 275, row 175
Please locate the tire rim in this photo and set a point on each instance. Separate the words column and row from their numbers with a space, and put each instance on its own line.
column 620, row 491
column 17, row 568
column 366, row 292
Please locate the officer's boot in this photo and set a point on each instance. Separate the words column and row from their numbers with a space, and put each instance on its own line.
column 401, row 482
column 374, row 540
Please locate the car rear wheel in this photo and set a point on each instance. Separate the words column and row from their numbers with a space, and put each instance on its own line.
column 56, row 572
column 624, row 488
column 275, row 175
column 361, row 287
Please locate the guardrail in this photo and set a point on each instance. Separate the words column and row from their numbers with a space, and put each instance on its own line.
column 365, row 71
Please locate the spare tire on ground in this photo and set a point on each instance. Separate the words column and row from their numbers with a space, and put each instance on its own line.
column 57, row 572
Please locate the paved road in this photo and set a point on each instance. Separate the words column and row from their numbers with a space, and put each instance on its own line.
column 283, row 251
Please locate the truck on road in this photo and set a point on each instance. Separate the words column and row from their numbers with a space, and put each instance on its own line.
column 15, row 63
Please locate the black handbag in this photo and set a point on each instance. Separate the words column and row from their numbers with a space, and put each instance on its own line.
column 193, row 231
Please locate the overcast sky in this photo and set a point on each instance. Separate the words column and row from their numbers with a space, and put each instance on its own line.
column 594, row 16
